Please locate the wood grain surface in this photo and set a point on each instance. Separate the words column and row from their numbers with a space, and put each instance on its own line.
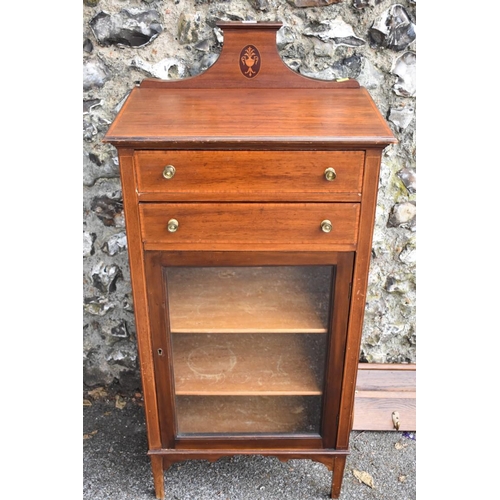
column 249, row 175
column 245, row 226
column 272, row 71
column 381, row 390
column 243, row 118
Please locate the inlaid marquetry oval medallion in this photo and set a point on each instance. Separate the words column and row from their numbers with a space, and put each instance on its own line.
column 250, row 61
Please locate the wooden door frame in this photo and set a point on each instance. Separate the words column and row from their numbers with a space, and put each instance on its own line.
column 155, row 264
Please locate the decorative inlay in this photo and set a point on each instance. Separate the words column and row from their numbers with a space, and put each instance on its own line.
column 250, row 61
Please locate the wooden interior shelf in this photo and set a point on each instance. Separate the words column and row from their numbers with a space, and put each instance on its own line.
column 240, row 415
column 275, row 299
column 249, row 364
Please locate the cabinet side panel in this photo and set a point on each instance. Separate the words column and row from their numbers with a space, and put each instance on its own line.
column 159, row 324
column 358, row 295
column 338, row 335
column 137, row 275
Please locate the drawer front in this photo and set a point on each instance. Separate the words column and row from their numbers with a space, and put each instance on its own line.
column 249, row 175
column 243, row 226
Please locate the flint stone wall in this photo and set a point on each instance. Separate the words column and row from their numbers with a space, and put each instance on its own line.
column 125, row 41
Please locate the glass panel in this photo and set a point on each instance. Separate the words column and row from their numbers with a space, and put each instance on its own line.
column 249, row 363
column 249, row 299
column 249, row 347
column 244, row 415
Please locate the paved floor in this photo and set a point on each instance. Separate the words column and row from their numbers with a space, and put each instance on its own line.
column 115, row 465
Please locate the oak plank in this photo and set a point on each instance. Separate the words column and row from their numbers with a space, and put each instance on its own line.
column 382, row 389
column 386, row 377
column 375, row 413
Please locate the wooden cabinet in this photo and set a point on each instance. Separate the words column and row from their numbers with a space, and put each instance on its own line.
column 249, row 196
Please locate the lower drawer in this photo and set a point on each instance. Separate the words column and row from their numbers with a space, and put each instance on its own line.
column 243, row 226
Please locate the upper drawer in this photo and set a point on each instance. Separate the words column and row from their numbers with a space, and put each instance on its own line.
column 249, row 175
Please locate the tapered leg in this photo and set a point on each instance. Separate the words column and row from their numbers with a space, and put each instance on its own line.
column 157, row 466
column 337, row 475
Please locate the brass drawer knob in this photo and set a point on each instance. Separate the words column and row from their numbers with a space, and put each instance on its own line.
column 326, row 226
column 172, row 225
column 330, row 174
column 169, row 171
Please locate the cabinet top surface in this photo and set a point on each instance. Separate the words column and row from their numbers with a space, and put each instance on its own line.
column 249, row 99
column 249, row 116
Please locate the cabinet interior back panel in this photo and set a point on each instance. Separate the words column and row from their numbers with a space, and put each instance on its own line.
column 249, row 364
column 239, row 415
column 249, row 299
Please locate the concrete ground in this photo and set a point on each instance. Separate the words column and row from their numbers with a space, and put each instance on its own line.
column 115, row 465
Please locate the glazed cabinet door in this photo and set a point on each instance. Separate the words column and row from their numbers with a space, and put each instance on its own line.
column 248, row 344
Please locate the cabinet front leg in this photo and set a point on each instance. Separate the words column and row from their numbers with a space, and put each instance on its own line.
column 337, row 475
column 157, row 466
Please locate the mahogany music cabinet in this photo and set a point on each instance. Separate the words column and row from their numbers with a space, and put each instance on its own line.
column 249, row 195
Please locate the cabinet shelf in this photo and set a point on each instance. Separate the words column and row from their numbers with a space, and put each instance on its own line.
column 249, row 364
column 274, row 299
column 239, row 415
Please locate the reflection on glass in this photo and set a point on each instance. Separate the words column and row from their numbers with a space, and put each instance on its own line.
column 249, row 347
column 251, row 414
column 248, row 299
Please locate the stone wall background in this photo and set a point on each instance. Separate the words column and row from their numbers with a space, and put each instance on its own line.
column 125, row 41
